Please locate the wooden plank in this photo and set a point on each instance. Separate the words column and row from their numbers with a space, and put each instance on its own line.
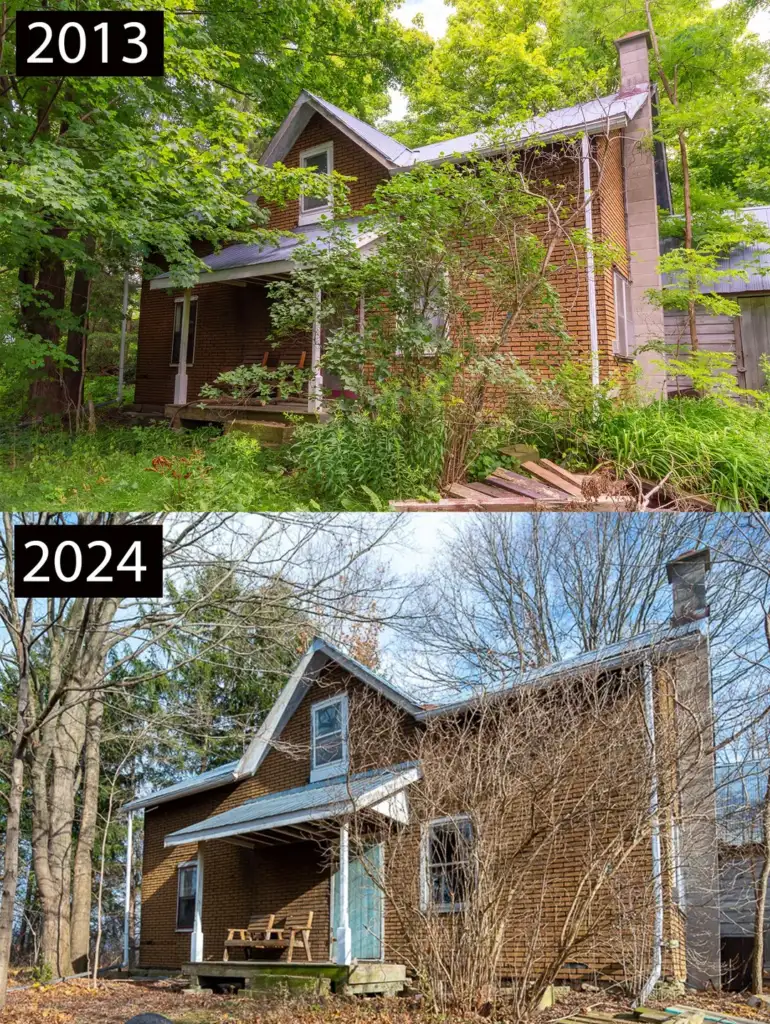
column 464, row 505
column 465, row 492
column 488, row 489
column 560, row 471
column 526, row 486
column 553, row 479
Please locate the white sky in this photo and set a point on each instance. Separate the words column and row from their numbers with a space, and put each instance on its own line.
column 436, row 12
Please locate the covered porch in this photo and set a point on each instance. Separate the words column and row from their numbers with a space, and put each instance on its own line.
column 223, row 321
column 314, row 858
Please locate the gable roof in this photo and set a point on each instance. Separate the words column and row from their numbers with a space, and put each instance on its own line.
column 601, row 114
column 657, row 642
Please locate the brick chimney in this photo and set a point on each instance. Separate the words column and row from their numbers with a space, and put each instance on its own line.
column 634, row 61
column 687, row 576
column 641, row 207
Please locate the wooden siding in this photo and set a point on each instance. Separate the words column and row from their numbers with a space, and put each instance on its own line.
column 755, row 336
column 715, row 334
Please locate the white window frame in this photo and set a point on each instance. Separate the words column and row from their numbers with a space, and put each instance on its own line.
column 179, row 868
column 622, row 345
column 426, row 888
column 313, row 216
column 177, row 302
column 335, row 768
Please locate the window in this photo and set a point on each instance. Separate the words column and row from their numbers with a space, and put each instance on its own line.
column 177, row 339
column 187, row 884
column 447, row 870
column 624, row 319
column 320, row 159
column 329, row 738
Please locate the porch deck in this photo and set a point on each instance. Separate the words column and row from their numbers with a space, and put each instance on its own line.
column 317, row 978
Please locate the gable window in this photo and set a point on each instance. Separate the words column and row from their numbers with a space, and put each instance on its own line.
column 624, row 322
column 447, row 868
column 329, row 738
column 176, row 341
column 187, row 885
column 321, row 160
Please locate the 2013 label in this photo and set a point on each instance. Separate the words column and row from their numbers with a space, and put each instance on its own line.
column 88, row 561
column 89, row 43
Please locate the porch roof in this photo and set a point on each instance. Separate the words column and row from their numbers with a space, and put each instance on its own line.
column 236, row 262
column 377, row 790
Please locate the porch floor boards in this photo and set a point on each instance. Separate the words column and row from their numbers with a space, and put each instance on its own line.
column 222, row 412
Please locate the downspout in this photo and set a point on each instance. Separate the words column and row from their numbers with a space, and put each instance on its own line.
column 593, row 323
column 127, row 904
column 657, row 859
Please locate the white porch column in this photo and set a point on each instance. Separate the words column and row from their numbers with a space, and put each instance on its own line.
column 316, row 384
column 127, row 902
column 180, row 381
column 196, row 939
column 344, row 955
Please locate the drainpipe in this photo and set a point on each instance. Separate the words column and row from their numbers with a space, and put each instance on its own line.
column 593, row 324
column 127, row 904
column 657, row 859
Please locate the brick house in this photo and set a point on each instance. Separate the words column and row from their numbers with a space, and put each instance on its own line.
column 224, row 321
column 272, row 833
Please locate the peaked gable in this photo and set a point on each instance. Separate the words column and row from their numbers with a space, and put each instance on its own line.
column 315, row 659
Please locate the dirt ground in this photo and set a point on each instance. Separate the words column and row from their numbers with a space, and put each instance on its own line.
column 114, row 1002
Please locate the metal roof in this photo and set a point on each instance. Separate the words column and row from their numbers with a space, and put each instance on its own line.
column 757, row 255
column 185, row 787
column 598, row 114
column 316, row 801
column 266, row 259
column 660, row 640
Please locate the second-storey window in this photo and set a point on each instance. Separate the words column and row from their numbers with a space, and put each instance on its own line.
column 187, row 884
column 321, row 160
column 177, row 338
column 329, row 738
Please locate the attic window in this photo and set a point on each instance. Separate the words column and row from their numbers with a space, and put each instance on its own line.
column 329, row 738
column 321, row 160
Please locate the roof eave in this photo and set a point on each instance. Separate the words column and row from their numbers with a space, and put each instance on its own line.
column 293, row 124
column 192, row 790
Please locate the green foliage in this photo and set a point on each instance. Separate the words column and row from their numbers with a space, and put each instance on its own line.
column 141, row 469
column 366, row 455
column 255, row 383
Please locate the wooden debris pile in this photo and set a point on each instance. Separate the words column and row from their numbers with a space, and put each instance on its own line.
column 545, row 486
column 646, row 1015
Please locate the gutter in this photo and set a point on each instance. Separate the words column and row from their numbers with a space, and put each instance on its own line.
column 657, row 859
column 593, row 326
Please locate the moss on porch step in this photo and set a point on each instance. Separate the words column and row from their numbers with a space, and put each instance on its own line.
column 313, row 979
column 269, row 433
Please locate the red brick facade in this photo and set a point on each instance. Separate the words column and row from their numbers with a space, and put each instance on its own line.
column 290, row 879
column 233, row 322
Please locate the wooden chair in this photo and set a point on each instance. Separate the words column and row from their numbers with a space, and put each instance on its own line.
column 261, row 935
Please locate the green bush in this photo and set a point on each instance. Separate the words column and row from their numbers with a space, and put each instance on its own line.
column 394, row 450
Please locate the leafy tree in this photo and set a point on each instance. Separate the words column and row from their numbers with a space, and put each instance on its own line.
column 108, row 172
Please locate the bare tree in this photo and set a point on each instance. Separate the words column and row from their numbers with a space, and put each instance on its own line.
column 56, row 661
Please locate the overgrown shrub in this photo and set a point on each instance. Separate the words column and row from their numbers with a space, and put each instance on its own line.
column 394, row 449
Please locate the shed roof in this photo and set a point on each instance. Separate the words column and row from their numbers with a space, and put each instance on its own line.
column 317, row 801
column 240, row 261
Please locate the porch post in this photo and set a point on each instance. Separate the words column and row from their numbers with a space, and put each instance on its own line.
column 316, row 384
column 127, row 902
column 344, row 955
column 196, row 939
column 180, row 381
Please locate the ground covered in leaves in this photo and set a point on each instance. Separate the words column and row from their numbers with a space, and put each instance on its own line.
column 114, row 1002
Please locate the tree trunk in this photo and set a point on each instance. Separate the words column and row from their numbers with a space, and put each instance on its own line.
column 80, row 926
column 760, row 917
column 12, row 837
column 77, row 339
column 43, row 309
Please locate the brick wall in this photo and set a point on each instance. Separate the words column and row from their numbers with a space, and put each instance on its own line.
column 292, row 879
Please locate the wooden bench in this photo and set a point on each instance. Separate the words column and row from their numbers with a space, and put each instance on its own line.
column 261, row 933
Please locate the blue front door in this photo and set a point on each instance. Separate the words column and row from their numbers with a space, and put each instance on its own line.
column 365, row 905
